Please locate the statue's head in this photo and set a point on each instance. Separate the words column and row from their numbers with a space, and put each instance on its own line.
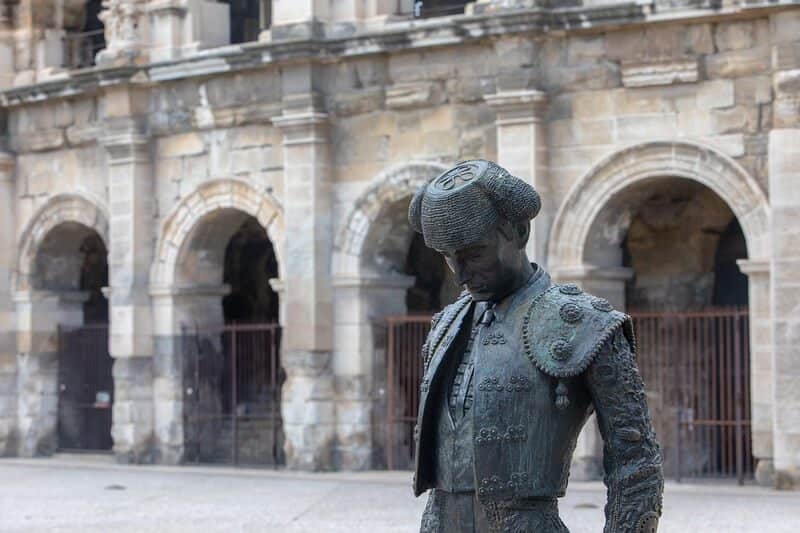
column 477, row 216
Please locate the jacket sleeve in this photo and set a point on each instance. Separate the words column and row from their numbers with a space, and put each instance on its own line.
column 631, row 454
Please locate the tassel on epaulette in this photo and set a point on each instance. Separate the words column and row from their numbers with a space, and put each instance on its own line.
column 562, row 401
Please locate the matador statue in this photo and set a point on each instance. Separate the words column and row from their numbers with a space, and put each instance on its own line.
column 512, row 371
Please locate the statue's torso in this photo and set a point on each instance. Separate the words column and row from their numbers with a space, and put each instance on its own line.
column 515, row 442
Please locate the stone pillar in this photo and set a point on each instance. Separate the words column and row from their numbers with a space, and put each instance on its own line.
column 307, row 405
column 298, row 19
column 362, row 304
column 761, row 371
column 181, row 27
column 8, row 344
column 39, row 314
column 7, row 66
column 784, row 173
column 522, row 150
column 132, row 198
column 176, row 311
column 608, row 283
column 125, row 27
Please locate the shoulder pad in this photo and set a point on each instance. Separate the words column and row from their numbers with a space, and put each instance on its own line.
column 565, row 328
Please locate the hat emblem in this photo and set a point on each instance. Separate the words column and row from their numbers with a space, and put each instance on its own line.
column 457, row 177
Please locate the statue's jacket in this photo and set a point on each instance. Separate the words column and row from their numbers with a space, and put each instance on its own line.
column 551, row 355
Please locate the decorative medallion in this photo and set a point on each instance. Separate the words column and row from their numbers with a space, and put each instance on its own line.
column 601, row 304
column 560, row 350
column 571, row 313
column 570, row 288
column 647, row 523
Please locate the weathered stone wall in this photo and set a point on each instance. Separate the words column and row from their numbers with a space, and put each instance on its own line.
column 322, row 142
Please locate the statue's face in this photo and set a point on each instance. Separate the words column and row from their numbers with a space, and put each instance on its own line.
column 488, row 268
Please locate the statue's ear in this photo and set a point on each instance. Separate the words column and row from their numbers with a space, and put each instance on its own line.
column 415, row 209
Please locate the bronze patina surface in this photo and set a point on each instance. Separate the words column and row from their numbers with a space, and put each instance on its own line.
column 514, row 368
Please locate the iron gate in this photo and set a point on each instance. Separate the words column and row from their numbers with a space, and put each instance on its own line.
column 232, row 392
column 85, row 388
column 695, row 366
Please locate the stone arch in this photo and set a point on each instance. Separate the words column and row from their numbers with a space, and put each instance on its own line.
column 683, row 159
column 57, row 210
column 214, row 196
column 391, row 185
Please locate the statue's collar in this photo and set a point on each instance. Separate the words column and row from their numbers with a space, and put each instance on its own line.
column 536, row 284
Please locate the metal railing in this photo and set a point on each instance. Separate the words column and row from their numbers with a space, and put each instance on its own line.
column 232, row 391
column 81, row 48
column 696, row 370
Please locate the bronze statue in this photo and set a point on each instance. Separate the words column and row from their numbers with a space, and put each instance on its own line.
column 514, row 368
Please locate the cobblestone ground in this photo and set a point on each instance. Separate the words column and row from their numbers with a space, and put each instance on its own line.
column 80, row 495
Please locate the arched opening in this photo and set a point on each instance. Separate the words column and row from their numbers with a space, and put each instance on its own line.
column 394, row 250
column 232, row 365
column 71, row 265
column 85, row 33
column 248, row 18
column 680, row 242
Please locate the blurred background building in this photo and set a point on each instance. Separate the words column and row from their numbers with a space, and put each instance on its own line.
column 204, row 248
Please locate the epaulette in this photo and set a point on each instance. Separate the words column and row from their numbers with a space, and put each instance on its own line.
column 564, row 330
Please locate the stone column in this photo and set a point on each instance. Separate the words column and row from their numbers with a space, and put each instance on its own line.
column 39, row 314
column 182, row 27
column 8, row 344
column 307, row 341
column 761, row 371
column 362, row 305
column 608, row 283
column 522, row 150
column 784, row 173
column 7, row 66
column 131, row 197
column 298, row 19
column 176, row 311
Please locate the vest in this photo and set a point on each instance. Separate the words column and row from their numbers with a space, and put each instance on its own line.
column 530, row 402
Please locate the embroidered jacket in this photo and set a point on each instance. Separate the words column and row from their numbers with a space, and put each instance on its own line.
column 551, row 356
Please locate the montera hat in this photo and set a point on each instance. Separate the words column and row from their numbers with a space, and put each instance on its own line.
column 457, row 208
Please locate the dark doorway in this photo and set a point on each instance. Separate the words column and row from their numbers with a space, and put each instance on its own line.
column 438, row 8
column 689, row 301
column 730, row 283
column 233, row 373
column 248, row 18
column 86, row 390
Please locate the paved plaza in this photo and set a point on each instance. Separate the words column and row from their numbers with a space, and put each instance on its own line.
column 91, row 495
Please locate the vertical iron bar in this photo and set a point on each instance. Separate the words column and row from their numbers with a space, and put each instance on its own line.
column 737, row 376
column 234, row 392
column 389, row 398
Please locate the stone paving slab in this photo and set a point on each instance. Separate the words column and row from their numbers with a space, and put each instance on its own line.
column 90, row 495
